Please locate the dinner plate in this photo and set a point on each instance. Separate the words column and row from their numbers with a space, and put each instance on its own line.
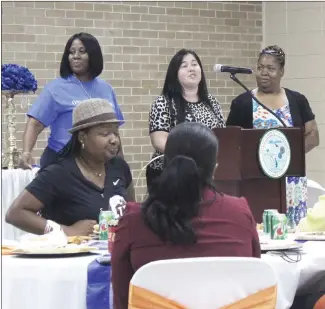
column 272, row 245
column 310, row 236
column 53, row 256
column 6, row 250
column 68, row 250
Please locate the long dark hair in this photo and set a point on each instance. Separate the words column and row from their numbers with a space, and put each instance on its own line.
column 71, row 149
column 173, row 90
column 93, row 50
column 190, row 160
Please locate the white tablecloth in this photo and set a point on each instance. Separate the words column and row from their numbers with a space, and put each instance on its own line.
column 61, row 283
column 297, row 277
column 29, row 283
column 13, row 183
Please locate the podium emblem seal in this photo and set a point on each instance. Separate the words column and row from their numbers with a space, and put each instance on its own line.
column 274, row 154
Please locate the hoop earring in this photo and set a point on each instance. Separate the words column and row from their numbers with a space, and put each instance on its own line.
column 214, row 171
column 82, row 145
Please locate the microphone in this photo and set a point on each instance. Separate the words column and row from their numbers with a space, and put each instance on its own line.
column 219, row 68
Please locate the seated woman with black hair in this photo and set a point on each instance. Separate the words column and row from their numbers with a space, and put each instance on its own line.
column 184, row 216
column 86, row 174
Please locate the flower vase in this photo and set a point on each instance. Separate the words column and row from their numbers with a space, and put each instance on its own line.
column 11, row 156
column 15, row 79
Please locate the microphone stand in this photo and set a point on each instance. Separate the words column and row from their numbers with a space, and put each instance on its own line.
column 235, row 79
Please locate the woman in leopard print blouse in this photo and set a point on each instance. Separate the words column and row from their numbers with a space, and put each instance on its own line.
column 184, row 97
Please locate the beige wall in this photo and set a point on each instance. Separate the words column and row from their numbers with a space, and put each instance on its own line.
column 138, row 40
column 299, row 28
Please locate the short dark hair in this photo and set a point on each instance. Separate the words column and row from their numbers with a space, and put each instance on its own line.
column 275, row 51
column 93, row 49
column 172, row 89
column 190, row 159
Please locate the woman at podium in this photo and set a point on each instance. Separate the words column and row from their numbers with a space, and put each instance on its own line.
column 290, row 106
column 184, row 97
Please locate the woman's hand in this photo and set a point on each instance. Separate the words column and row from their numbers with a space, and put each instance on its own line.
column 311, row 135
column 32, row 131
column 80, row 228
column 25, row 161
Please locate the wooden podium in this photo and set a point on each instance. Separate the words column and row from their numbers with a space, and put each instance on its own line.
column 239, row 172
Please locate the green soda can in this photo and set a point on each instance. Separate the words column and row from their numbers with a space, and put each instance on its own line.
column 105, row 216
column 267, row 218
column 279, row 229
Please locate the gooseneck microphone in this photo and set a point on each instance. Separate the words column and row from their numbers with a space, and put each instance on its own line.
column 219, row 68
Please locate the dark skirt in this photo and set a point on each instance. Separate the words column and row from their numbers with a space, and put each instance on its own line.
column 310, row 298
column 48, row 157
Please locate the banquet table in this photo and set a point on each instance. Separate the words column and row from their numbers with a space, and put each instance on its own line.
column 297, row 277
column 51, row 283
column 62, row 282
column 13, row 182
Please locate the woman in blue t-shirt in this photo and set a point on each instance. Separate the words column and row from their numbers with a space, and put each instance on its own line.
column 81, row 64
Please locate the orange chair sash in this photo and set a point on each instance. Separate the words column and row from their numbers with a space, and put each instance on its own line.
column 140, row 298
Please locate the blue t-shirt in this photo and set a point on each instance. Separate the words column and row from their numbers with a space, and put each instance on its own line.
column 55, row 104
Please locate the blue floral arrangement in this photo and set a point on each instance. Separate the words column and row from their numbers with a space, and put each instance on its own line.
column 16, row 78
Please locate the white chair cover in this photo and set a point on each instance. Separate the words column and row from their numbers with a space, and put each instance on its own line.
column 208, row 283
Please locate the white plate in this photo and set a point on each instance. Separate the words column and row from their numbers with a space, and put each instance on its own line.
column 310, row 236
column 69, row 249
column 272, row 245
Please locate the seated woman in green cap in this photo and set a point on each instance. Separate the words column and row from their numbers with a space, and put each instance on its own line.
column 84, row 179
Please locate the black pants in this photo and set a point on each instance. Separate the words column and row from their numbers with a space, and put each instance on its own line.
column 308, row 301
column 152, row 175
column 48, row 157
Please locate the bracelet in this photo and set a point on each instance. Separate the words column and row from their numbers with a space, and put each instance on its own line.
column 51, row 226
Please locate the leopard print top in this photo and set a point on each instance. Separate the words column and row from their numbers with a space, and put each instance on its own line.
column 160, row 119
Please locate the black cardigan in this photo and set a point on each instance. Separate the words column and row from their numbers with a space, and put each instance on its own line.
column 241, row 110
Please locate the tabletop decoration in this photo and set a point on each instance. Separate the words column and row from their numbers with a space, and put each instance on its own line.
column 15, row 79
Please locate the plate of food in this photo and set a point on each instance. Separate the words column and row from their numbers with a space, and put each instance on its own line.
column 314, row 236
column 78, row 240
column 49, row 251
column 275, row 245
column 96, row 229
column 52, row 244
column 7, row 250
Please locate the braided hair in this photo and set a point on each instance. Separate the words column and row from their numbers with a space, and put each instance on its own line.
column 275, row 51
